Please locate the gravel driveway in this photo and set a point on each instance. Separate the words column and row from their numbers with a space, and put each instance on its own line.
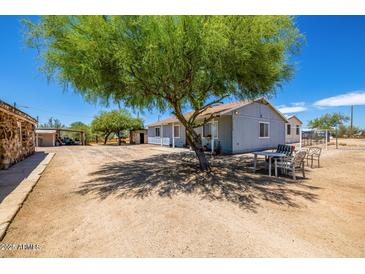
column 141, row 201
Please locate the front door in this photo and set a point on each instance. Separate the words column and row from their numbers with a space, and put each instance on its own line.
column 141, row 138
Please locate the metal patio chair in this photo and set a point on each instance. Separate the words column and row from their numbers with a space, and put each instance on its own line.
column 314, row 153
column 293, row 164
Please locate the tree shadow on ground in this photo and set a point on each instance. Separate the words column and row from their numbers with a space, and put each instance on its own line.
column 170, row 174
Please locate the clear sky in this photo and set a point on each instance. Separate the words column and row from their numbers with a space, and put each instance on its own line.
column 330, row 73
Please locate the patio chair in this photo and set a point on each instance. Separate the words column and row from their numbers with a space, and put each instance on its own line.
column 285, row 149
column 314, row 153
column 293, row 164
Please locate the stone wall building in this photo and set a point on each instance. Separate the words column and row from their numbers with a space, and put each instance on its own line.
column 17, row 135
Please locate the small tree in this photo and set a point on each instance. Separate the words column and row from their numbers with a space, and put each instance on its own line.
column 168, row 62
column 115, row 121
column 330, row 122
column 84, row 127
column 102, row 124
column 52, row 123
column 347, row 131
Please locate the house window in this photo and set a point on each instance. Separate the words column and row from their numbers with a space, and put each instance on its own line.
column 288, row 128
column 298, row 130
column 207, row 130
column 158, row 132
column 177, row 131
column 264, row 130
column 215, row 129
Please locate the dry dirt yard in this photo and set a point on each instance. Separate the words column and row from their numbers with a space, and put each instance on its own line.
column 141, row 201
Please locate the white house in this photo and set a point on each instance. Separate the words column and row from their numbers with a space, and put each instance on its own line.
column 293, row 130
column 237, row 127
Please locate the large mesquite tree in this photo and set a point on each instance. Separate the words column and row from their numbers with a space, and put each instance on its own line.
column 168, row 62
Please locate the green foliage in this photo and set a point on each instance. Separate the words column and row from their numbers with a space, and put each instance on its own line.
column 346, row 131
column 167, row 62
column 84, row 127
column 157, row 61
column 328, row 121
column 116, row 121
column 52, row 123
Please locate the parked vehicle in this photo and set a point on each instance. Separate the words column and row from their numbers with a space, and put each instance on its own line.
column 68, row 141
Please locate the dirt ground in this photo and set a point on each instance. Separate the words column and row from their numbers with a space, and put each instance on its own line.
column 141, row 201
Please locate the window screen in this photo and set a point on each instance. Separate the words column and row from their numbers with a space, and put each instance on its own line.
column 264, row 130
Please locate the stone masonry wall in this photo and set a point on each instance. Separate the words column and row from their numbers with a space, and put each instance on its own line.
column 16, row 138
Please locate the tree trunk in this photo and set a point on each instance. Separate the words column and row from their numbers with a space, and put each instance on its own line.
column 119, row 139
column 106, row 138
column 194, row 140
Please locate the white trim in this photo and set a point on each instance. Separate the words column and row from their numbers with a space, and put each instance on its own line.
column 300, row 138
column 211, row 133
column 161, row 136
column 216, row 126
column 268, row 130
column 296, row 128
column 173, row 135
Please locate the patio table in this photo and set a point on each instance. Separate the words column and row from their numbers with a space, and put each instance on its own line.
column 269, row 155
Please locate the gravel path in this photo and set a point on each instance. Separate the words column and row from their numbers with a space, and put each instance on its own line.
column 139, row 201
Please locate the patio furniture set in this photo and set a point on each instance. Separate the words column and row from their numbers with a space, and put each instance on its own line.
column 287, row 160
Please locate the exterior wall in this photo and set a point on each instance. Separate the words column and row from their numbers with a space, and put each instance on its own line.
column 134, row 137
column 225, row 133
column 293, row 137
column 17, row 139
column 151, row 132
column 245, row 128
column 46, row 139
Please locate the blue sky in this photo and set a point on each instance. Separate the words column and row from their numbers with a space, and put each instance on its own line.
column 331, row 64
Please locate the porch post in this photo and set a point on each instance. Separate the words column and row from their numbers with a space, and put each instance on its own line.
column 212, row 134
column 300, row 137
column 326, row 139
column 173, row 135
column 161, row 135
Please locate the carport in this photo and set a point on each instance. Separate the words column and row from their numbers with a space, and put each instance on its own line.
column 52, row 136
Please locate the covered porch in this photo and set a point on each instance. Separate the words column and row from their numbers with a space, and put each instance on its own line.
column 174, row 135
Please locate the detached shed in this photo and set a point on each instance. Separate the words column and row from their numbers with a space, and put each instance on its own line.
column 138, row 136
column 17, row 137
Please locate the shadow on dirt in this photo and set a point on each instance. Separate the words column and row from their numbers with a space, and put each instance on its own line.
column 169, row 174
